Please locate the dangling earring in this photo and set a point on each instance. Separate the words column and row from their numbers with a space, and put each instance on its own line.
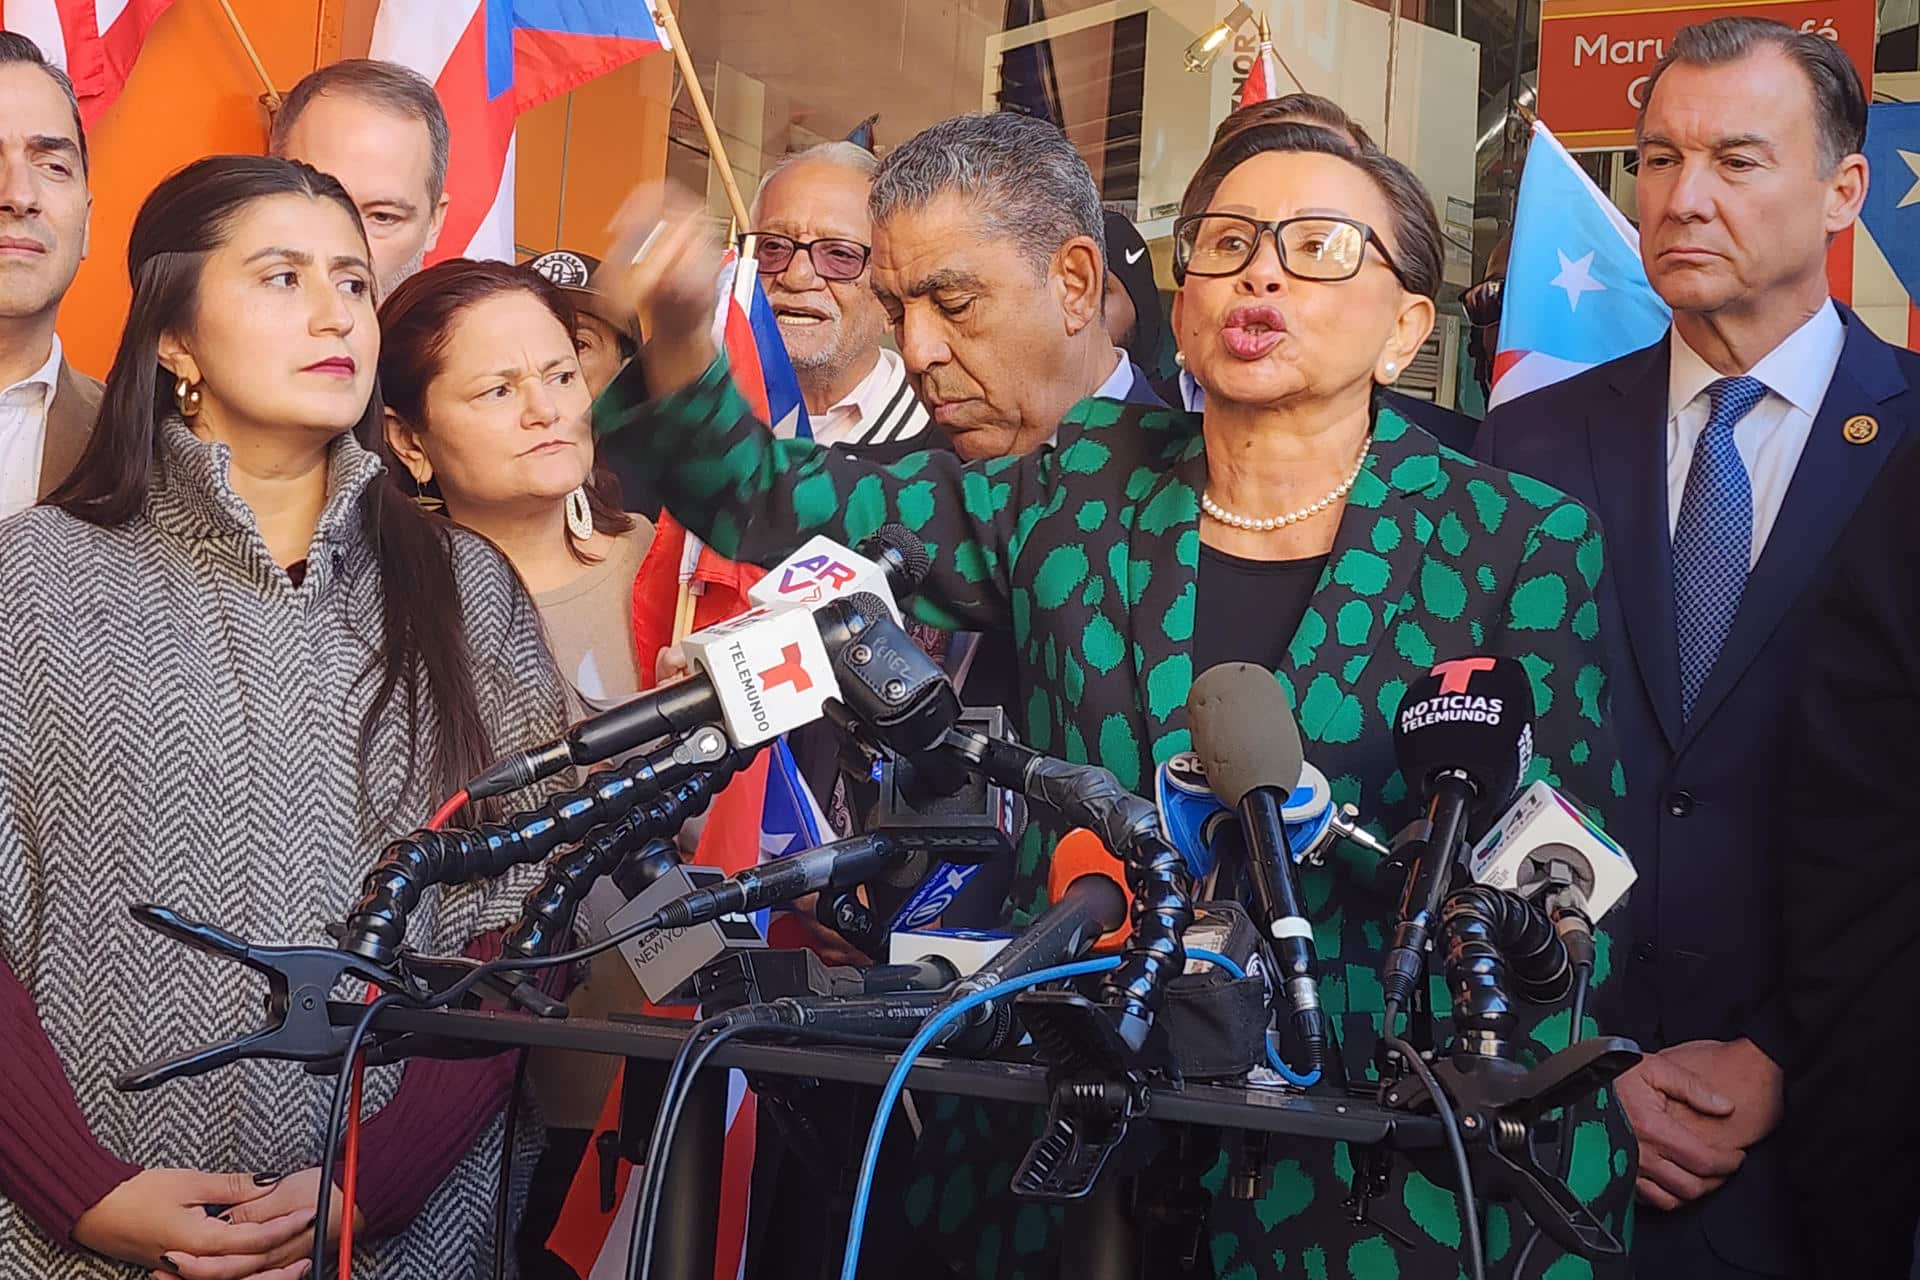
column 579, row 515
column 426, row 501
column 187, row 396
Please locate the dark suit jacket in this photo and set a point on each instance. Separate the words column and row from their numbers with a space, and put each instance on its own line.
column 1700, row 944
column 1851, row 868
column 76, row 403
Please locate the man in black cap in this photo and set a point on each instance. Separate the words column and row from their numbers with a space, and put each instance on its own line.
column 1136, row 321
column 603, row 341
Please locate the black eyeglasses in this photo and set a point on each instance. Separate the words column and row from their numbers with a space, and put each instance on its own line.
column 1482, row 303
column 1319, row 248
column 832, row 259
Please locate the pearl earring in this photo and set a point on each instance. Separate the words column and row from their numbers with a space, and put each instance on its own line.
column 1392, row 368
column 1180, row 359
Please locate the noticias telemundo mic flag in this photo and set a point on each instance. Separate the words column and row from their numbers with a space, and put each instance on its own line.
column 490, row 60
column 1575, row 293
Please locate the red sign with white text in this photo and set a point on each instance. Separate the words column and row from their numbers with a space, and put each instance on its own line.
column 1595, row 55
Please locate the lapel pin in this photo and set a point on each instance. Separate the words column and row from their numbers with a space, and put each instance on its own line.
column 1860, row 430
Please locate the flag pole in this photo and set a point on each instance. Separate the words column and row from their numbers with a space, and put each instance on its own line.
column 1393, row 61
column 663, row 16
column 683, row 604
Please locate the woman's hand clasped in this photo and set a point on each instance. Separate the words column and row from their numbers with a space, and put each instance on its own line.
column 158, row 1218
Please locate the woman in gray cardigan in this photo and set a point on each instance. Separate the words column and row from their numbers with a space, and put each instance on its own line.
column 233, row 664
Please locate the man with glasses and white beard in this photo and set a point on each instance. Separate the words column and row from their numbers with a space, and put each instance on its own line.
column 812, row 241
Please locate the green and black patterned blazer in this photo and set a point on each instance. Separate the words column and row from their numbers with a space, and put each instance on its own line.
column 1089, row 552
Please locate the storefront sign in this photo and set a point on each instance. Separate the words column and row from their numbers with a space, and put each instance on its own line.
column 1595, row 55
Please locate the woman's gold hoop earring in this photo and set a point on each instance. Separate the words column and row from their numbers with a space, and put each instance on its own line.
column 187, row 396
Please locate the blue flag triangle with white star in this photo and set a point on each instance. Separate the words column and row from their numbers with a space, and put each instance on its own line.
column 1575, row 294
column 1892, row 210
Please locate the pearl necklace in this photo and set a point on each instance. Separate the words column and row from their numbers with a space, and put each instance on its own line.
column 1271, row 523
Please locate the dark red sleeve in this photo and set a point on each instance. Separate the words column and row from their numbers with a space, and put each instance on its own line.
column 441, row 1108
column 51, row 1165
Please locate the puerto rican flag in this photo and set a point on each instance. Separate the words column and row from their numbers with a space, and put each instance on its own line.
column 490, row 60
column 94, row 41
column 1874, row 266
column 1575, row 294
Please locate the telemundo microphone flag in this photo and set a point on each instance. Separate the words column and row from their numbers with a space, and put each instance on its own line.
column 1575, row 294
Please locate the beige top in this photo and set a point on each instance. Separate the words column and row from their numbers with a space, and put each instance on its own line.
column 589, row 624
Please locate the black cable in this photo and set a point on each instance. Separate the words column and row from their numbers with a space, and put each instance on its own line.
column 1563, row 1162
column 503, row 1200
column 1450, row 1123
column 336, row 1120
column 673, row 1105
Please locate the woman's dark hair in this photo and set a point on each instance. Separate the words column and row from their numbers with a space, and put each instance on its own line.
column 416, row 324
column 1294, row 108
column 1418, row 249
column 188, row 216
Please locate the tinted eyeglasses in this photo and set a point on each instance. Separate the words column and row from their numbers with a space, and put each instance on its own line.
column 1482, row 303
column 832, row 259
column 1319, row 248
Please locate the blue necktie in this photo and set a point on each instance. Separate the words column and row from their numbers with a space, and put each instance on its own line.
column 1713, row 539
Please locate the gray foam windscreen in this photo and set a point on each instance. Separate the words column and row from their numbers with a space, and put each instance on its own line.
column 1244, row 731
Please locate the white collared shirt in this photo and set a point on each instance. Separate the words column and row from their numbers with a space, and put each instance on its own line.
column 1772, row 436
column 23, row 434
column 879, row 410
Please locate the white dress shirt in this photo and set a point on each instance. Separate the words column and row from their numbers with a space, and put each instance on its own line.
column 23, row 434
column 1771, row 437
column 1118, row 383
column 879, row 410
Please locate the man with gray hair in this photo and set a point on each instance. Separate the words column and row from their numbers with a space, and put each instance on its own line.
column 813, row 239
column 1723, row 460
column 989, row 256
column 380, row 129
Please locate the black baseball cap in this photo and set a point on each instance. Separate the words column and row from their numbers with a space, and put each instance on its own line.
column 574, row 272
column 1131, row 264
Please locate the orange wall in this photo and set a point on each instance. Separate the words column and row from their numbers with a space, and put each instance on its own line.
column 194, row 93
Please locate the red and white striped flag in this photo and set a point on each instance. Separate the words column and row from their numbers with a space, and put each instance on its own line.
column 489, row 61
column 1263, row 78
column 94, row 41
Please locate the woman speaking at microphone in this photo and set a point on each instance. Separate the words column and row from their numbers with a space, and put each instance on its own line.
column 1296, row 525
column 237, row 663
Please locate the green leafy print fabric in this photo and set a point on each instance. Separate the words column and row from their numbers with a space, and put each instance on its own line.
column 1089, row 552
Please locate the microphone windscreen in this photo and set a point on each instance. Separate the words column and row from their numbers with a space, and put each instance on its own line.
column 1244, row 731
column 902, row 551
column 1081, row 853
column 1471, row 714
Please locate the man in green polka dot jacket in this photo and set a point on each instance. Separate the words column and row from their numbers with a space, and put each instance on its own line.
column 1297, row 525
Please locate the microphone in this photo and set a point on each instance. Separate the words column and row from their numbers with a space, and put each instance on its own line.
column 662, row 960
column 830, row 866
column 893, row 560
column 760, row 674
column 1191, row 815
column 1249, row 742
column 1093, row 904
column 1082, row 853
column 1545, row 849
column 1463, row 736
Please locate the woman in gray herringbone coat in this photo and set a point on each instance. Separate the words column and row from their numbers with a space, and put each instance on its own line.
column 233, row 665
